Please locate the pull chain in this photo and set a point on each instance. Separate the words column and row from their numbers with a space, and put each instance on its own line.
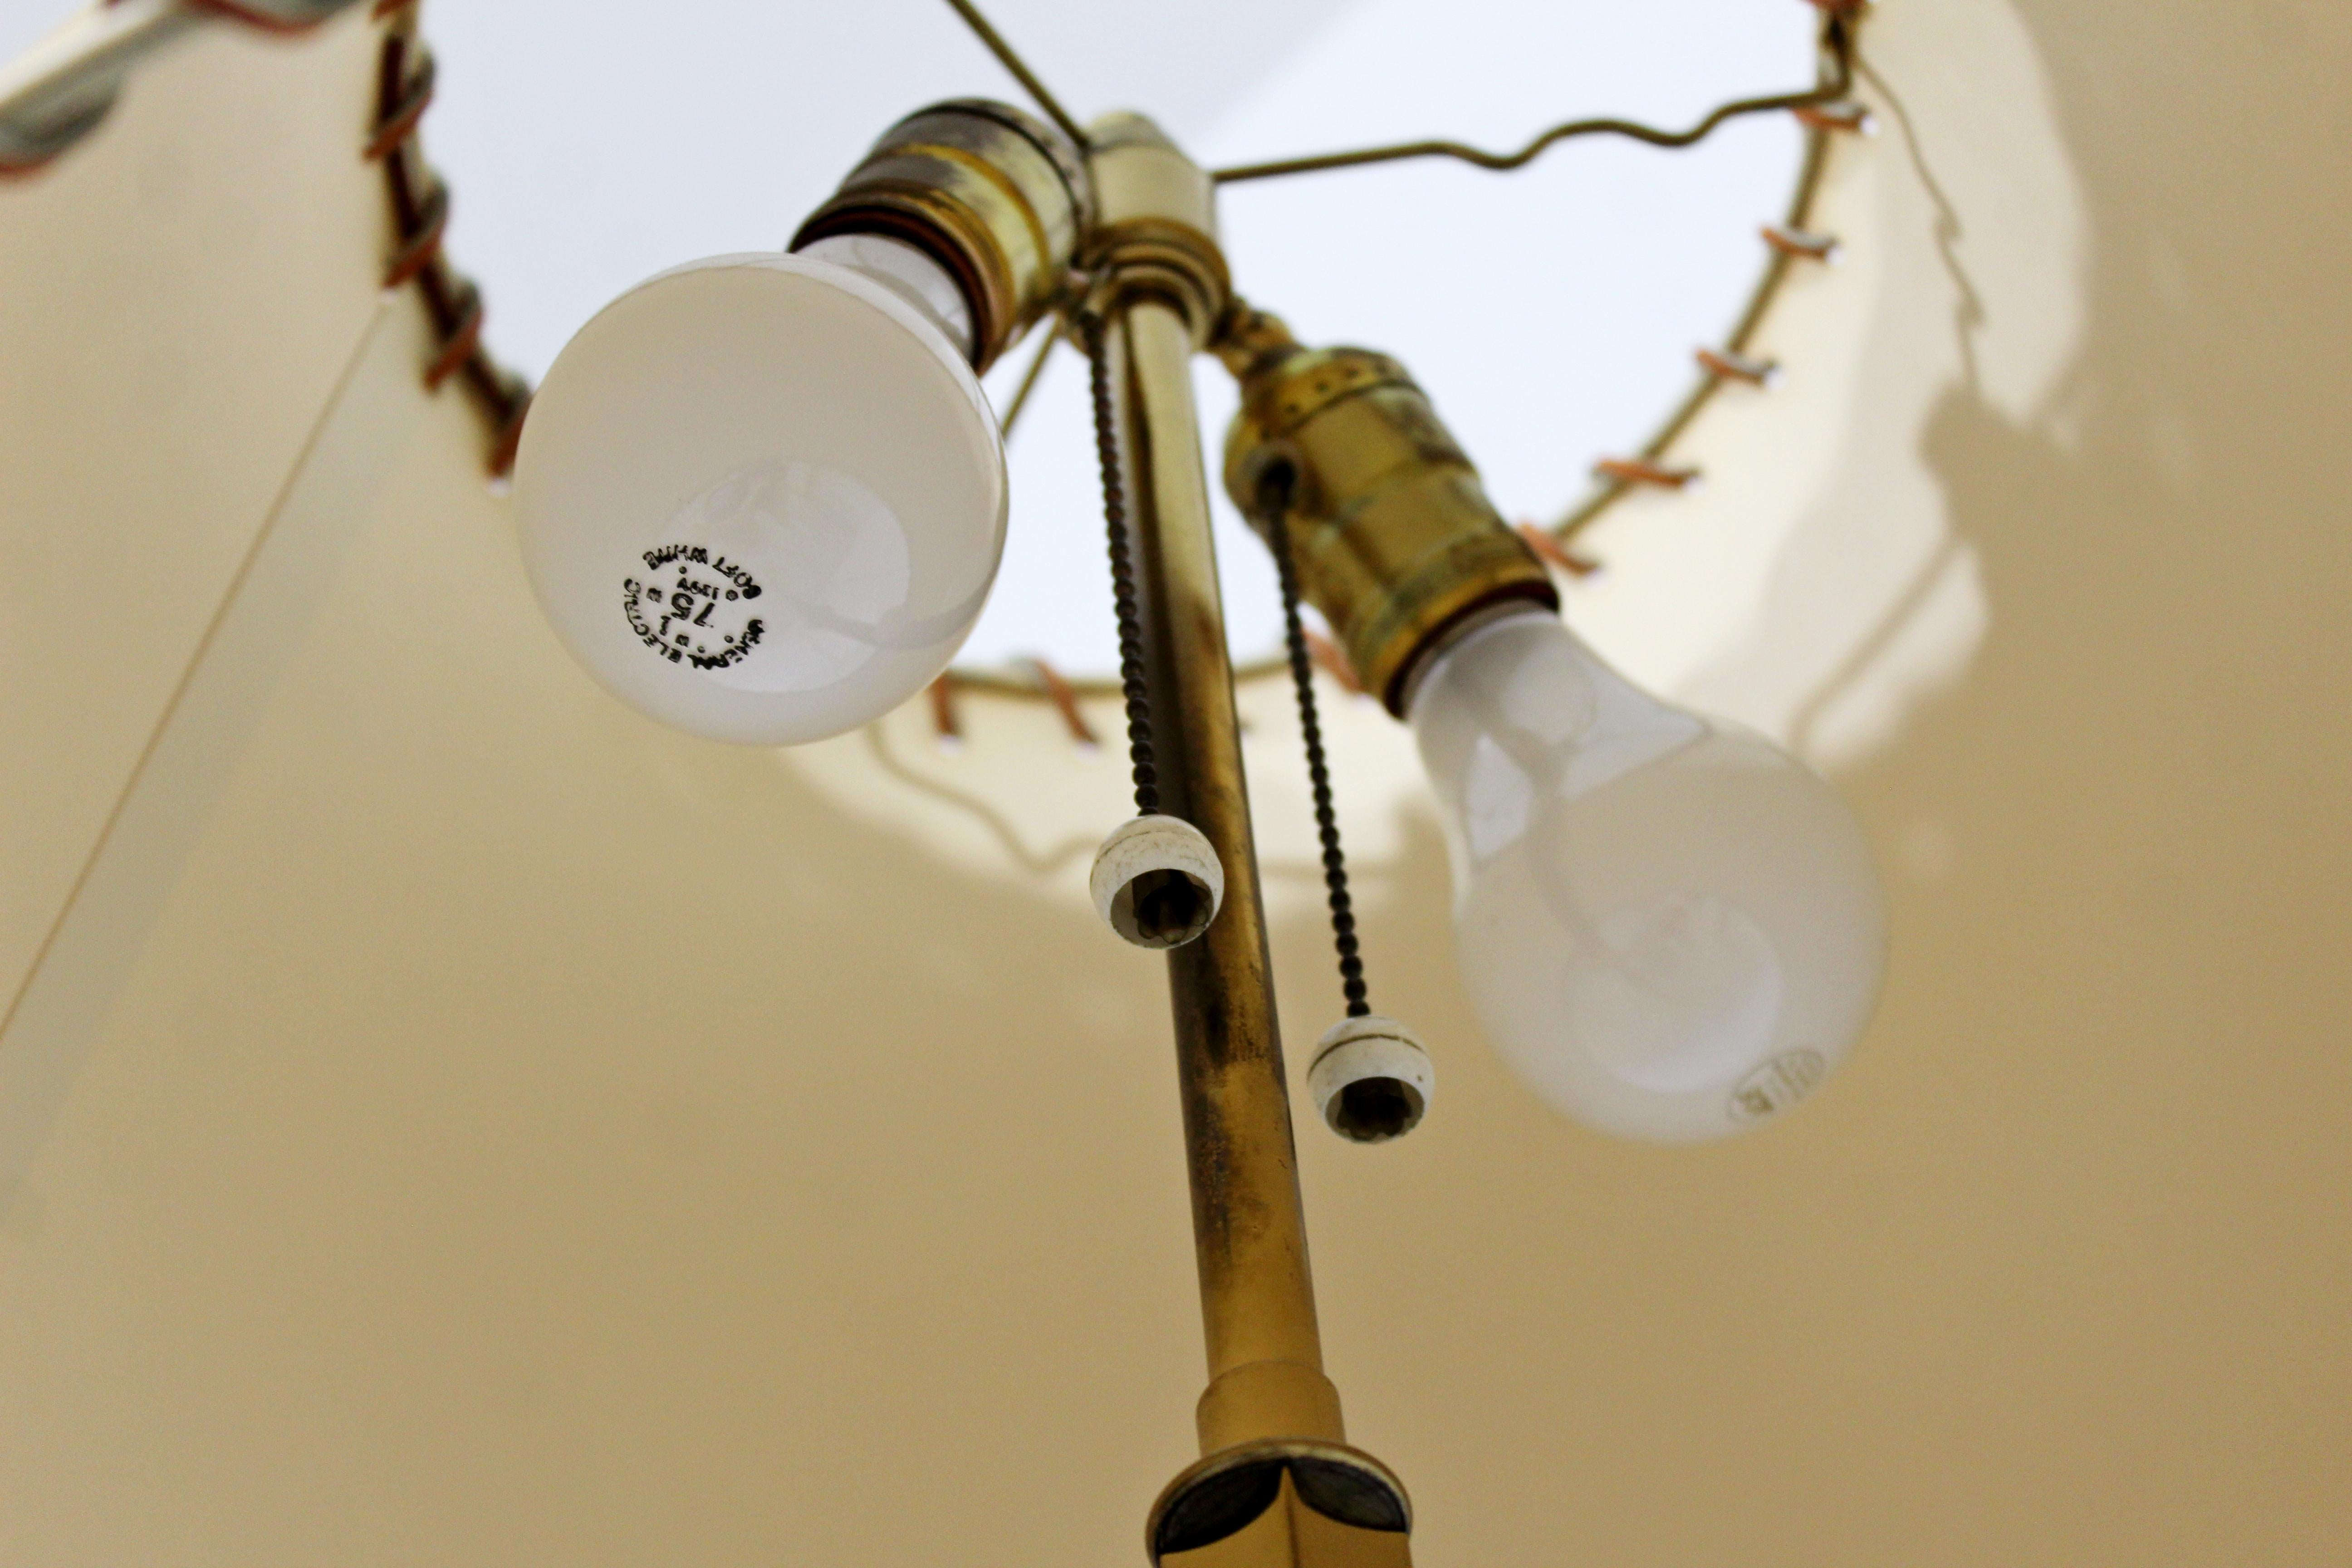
column 1327, row 823
column 1157, row 880
column 1122, row 576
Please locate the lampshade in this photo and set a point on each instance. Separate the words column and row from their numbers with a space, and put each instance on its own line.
column 446, row 1117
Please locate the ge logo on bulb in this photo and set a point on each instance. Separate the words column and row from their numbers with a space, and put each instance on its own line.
column 693, row 607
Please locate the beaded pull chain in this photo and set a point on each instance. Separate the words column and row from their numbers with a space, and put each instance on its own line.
column 1122, row 576
column 1318, row 775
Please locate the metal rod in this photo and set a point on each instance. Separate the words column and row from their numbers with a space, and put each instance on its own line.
column 1011, row 61
column 1777, row 270
column 1836, row 85
column 1269, row 1420
column 1052, row 336
column 1257, row 1298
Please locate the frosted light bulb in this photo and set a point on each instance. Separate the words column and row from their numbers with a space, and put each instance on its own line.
column 1669, row 927
column 761, row 497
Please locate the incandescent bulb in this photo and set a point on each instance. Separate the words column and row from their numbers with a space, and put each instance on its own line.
column 1669, row 927
column 762, row 498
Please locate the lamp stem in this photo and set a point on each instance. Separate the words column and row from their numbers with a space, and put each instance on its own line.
column 1257, row 1298
column 1275, row 1486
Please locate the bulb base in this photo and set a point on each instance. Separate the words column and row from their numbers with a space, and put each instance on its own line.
column 997, row 197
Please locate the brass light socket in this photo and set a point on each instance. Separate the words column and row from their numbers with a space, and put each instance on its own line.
column 1391, row 534
column 998, row 198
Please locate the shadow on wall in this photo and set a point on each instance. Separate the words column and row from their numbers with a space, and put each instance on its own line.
column 2121, row 851
column 2132, row 817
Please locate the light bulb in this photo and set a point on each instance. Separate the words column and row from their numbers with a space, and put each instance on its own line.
column 762, row 498
column 1670, row 929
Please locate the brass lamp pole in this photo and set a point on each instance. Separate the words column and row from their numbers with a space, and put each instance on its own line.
column 1276, row 1483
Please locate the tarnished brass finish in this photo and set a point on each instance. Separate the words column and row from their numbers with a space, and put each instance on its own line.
column 1257, row 1301
column 1156, row 229
column 1396, row 543
column 1268, row 1411
column 1000, row 199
